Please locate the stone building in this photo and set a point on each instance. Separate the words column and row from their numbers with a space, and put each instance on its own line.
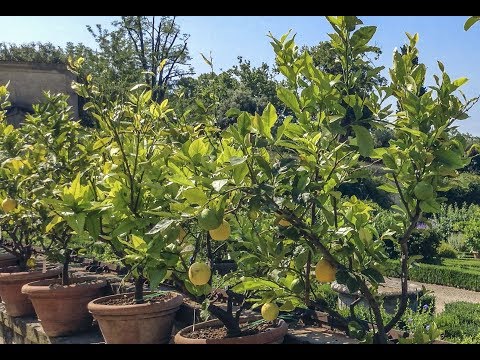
column 27, row 83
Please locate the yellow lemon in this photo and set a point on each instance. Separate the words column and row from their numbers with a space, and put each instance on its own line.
column 324, row 271
column 222, row 232
column 8, row 205
column 199, row 273
column 270, row 311
column 284, row 223
column 31, row 263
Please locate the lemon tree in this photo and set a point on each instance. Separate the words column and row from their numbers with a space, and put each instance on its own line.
column 131, row 189
column 18, row 180
column 291, row 167
column 59, row 153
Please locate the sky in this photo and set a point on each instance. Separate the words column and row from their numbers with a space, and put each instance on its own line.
column 226, row 37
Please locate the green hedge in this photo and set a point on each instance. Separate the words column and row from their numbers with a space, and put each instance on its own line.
column 461, row 322
column 439, row 274
column 470, row 264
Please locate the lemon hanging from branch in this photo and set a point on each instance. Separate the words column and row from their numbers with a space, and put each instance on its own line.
column 199, row 273
column 324, row 271
column 222, row 232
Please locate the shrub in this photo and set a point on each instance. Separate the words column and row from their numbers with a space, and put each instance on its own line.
column 458, row 242
column 466, row 189
column 424, row 242
column 445, row 250
column 460, row 322
column 448, row 220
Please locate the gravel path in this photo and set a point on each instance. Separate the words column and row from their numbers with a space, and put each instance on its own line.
column 447, row 294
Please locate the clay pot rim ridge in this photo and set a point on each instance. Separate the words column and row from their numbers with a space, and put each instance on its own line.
column 52, row 270
column 282, row 328
column 98, row 309
column 40, row 288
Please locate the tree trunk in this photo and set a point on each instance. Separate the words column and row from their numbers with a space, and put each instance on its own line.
column 233, row 327
column 139, row 290
column 65, row 276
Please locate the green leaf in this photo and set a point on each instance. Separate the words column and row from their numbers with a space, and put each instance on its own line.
column 138, row 86
column 374, row 275
column 352, row 284
column 218, row 184
column 138, row 243
column 470, row 22
column 388, row 188
column 195, row 196
column 449, row 158
column 208, row 62
column 198, row 146
column 363, row 35
column 459, row 82
column 265, row 122
column 244, row 123
column 430, row 206
column 155, row 276
column 287, row 306
column 237, row 160
column 440, row 66
column 101, row 143
column 364, row 140
column 56, row 219
column 161, row 226
column 288, row 98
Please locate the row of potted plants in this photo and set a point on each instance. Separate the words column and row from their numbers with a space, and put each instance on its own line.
column 171, row 195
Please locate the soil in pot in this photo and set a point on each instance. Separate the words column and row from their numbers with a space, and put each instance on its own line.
column 122, row 321
column 214, row 332
column 11, row 282
column 7, row 259
column 62, row 310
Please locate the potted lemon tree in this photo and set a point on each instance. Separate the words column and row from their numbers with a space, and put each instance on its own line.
column 133, row 195
column 19, row 221
column 293, row 167
column 61, row 305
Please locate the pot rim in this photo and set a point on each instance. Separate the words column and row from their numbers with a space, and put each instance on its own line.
column 6, row 277
column 98, row 309
column 281, row 329
column 41, row 288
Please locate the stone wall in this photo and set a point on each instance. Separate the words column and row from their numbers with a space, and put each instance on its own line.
column 29, row 80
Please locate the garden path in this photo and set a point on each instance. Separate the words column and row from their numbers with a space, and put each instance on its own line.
column 448, row 294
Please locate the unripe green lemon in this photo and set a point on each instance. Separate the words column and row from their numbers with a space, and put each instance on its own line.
column 208, row 219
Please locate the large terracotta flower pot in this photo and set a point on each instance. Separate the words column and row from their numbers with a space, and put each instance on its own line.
column 148, row 323
column 11, row 282
column 7, row 259
column 62, row 310
column 270, row 336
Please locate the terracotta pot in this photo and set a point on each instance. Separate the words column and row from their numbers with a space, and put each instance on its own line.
column 149, row 323
column 11, row 282
column 62, row 310
column 7, row 259
column 271, row 336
